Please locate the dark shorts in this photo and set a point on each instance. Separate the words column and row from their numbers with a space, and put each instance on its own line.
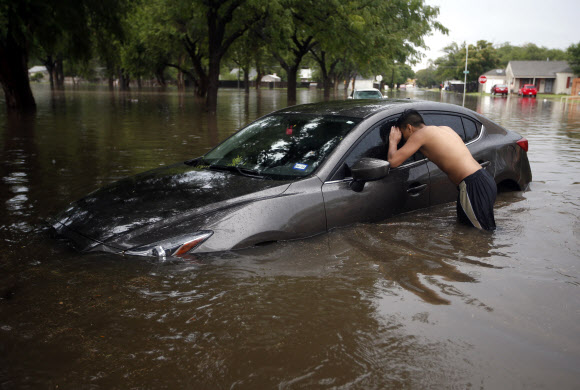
column 477, row 193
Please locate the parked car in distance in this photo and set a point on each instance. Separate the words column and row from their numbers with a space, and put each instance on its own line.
column 498, row 89
column 291, row 174
column 528, row 90
column 368, row 93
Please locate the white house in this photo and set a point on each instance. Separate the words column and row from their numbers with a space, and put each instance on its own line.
column 305, row 74
column 38, row 69
column 548, row 76
column 494, row 76
column 271, row 78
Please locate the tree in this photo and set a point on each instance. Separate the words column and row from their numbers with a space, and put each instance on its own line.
column 288, row 36
column 54, row 30
column 527, row 52
column 224, row 22
column 482, row 57
column 368, row 34
column 399, row 74
column 427, row 78
column 573, row 53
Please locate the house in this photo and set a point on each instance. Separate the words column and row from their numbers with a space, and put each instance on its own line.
column 548, row 76
column 494, row 77
column 305, row 75
column 271, row 78
column 38, row 69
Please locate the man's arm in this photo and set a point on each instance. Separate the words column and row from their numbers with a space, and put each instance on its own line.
column 397, row 157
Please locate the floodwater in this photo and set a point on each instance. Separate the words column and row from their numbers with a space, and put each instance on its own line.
column 414, row 302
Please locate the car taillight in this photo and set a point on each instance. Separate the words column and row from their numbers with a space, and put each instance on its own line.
column 523, row 143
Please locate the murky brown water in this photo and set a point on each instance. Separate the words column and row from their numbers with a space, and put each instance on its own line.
column 417, row 301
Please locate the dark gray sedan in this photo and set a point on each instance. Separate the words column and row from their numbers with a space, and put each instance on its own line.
column 295, row 173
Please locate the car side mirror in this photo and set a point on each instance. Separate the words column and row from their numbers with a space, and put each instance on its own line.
column 368, row 169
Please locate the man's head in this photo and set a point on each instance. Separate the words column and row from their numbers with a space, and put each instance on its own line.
column 409, row 121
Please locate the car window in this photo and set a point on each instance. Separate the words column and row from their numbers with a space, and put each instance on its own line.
column 471, row 129
column 367, row 95
column 281, row 145
column 452, row 121
column 374, row 144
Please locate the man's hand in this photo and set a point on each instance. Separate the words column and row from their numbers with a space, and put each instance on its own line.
column 395, row 136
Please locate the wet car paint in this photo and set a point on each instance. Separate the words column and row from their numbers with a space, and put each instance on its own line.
column 245, row 211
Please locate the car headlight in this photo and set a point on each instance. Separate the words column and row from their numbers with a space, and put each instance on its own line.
column 176, row 246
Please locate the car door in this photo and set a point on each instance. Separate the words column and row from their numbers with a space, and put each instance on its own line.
column 442, row 189
column 405, row 188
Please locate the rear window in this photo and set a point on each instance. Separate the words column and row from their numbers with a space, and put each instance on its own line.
column 471, row 129
column 367, row 95
column 452, row 121
column 467, row 129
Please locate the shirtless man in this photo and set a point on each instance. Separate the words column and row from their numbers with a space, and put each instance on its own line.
column 443, row 146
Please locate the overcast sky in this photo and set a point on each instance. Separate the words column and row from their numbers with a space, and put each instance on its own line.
column 553, row 24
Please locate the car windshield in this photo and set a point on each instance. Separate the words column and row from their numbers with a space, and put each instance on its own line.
column 501, row 86
column 280, row 146
column 529, row 86
column 367, row 95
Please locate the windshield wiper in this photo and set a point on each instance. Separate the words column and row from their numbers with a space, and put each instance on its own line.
column 242, row 171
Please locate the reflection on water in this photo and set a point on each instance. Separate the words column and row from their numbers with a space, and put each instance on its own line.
column 417, row 301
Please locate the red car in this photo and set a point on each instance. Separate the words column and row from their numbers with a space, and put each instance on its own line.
column 528, row 90
column 499, row 89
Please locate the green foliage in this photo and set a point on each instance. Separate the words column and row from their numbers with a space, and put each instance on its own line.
column 573, row 57
column 236, row 161
column 482, row 57
column 427, row 78
column 37, row 77
column 353, row 37
column 527, row 52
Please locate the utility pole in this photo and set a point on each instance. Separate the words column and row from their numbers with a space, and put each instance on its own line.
column 465, row 72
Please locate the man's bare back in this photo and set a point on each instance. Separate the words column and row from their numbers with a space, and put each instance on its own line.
column 439, row 144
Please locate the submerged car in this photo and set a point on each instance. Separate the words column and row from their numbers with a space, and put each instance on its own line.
column 369, row 93
column 294, row 173
column 528, row 90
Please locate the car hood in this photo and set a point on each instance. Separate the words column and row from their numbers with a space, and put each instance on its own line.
column 157, row 204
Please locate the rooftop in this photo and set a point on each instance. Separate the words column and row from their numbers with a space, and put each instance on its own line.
column 539, row 68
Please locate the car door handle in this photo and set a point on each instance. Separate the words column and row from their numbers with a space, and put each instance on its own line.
column 416, row 189
column 485, row 164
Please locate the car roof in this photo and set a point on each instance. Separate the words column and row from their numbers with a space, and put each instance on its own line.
column 365, row 89
column 363, row 108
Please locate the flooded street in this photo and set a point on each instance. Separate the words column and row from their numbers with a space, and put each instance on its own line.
column 417, row 301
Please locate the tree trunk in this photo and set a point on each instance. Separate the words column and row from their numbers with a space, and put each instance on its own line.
column 14, row 76
column 246, row 79
column 292, row 72
column 49, row 64
column 59, row 73
column 160, row 77
column 212, row 85
column 124, row 80
column 259, row 77
column 180, row 75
